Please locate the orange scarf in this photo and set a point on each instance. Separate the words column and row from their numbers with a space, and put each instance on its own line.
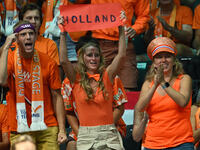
column 37, row 107
column 159, row 28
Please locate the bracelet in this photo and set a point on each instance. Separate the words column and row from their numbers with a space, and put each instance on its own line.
column 165, row 85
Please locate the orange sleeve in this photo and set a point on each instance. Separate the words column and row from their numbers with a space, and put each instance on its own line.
column 187, row 15
column 142, row 16
column 53, row 51
column 10, row 63
column 54, row 77
column 4, row 119
column 119, row 92
column 66, row 92
column 196, row 19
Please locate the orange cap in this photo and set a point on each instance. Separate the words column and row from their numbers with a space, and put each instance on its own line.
column 161, row 44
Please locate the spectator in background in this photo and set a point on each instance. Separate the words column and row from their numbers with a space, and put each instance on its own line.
column 4, row 130
column 196, row 27
column 173, row 21
column 166, row 99
column 32, row 13
column 24, row 142
column 34, row 100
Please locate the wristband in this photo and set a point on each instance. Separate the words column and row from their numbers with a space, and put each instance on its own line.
column 165, row 85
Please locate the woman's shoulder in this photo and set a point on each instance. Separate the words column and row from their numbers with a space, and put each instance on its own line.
column 184, row 77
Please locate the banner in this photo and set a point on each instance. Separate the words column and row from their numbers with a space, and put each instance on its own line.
column 85, row 17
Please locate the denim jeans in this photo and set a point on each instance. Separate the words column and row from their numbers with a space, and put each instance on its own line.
column 184, row 146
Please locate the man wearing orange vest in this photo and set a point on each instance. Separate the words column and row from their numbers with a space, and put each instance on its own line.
column 35, row 105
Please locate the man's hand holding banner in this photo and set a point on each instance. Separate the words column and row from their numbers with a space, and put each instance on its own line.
column 91, row 16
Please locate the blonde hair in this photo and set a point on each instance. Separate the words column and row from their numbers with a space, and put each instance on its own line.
column 21, row 139
column 177, row 70
column 82, row 70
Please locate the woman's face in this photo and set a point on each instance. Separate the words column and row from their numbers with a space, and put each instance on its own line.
column 91, row 58
column 164, row 59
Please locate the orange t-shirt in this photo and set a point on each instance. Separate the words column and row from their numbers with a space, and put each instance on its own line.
column 3, row 118
column 196, row 20
column 140, row 8
column 169, row 124
column 119, row 98
column 184, row 15
column 46, row 46
column 51, row 80
column 75, row 100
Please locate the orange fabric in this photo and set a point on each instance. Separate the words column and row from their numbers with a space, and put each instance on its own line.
column 119, row 98
column 138, row 7
column 51, row 80
column 48, row 47
column 170, row 19
column 2, row 12
column 169, row 124
column 183, row 16
column 161, row 44
column 3, row 118
column 153, row 3
column 85, row 109
column 197, row 115
column 10, row 5
column 196, row 20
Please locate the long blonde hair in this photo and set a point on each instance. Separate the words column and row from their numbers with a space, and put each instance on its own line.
column 82, row 70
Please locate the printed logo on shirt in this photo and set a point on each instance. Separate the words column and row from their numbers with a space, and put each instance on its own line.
column 22, row 113
column 35, row 114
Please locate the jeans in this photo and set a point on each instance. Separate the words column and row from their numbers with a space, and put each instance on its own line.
column 184, row 146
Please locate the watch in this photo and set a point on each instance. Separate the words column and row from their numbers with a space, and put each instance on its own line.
column 165, row 85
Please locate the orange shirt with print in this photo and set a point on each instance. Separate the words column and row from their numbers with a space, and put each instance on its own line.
column 51, row 80
column 196, row 20
column 169, row 124
column 184, row 15
column 140, row 8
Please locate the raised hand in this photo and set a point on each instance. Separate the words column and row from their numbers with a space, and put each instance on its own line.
column 159, row 75
column 60, row 22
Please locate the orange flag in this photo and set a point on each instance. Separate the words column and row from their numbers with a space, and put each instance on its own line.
column 85, row 17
